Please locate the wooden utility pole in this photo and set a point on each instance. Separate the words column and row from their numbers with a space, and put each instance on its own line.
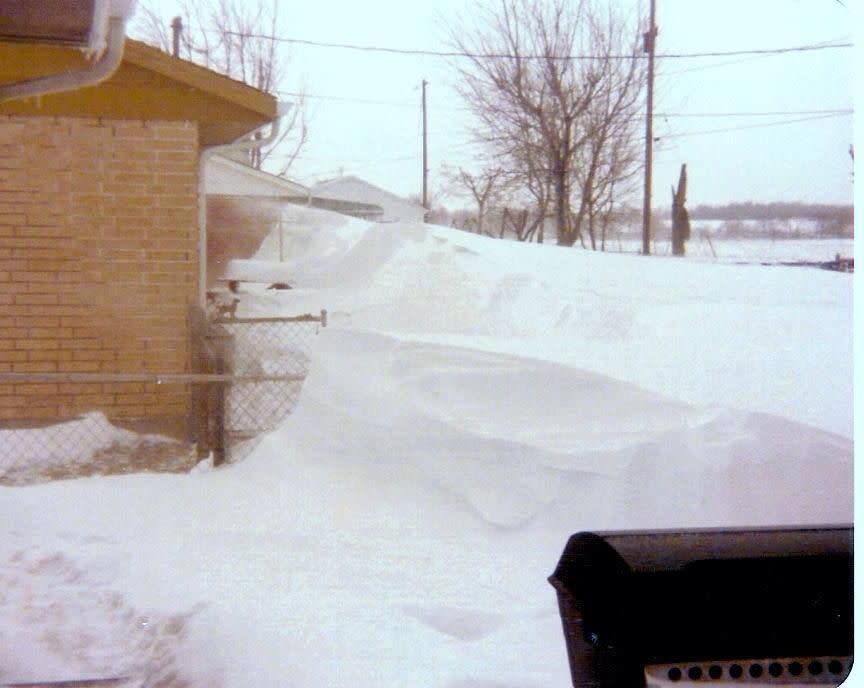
column 425, row 156
column 650, row 40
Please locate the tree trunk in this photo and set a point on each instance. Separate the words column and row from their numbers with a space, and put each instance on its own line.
column 562, row 226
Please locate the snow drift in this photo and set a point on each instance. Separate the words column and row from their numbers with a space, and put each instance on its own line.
column 472, row 404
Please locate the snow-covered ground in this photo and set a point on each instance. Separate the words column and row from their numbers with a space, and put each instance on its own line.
column 703, row 247
column 472, row 403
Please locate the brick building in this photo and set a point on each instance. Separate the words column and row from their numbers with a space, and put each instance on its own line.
column 99, row 226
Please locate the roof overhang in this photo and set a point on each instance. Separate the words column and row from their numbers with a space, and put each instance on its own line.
column 225, row 177
column 148, row 85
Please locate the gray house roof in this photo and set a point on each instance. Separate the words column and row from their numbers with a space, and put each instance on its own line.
column 356, row 190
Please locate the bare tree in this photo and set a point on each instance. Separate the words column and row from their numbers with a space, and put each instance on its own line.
column 486, row 188
column 611, row 156
column 523, row 223
column 237, row 39
column 543, row 80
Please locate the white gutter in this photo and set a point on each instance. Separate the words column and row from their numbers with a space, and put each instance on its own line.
column 100, row 70
column 206, row 153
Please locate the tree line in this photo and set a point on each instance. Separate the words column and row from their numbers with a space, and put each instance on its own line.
column 774, row 211
column 736, row 220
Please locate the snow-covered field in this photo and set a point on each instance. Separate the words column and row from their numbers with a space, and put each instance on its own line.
column 705, row 248
column 472, row 403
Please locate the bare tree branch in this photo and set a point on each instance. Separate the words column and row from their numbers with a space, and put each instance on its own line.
column 564, row 126
column 235, row 38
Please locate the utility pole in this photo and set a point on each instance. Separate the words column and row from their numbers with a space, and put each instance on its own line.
column 425, row 157
column 650, row 40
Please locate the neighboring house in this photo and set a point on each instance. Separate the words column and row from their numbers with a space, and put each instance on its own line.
column 244, row 205
column 100, row 250
column 350, row 189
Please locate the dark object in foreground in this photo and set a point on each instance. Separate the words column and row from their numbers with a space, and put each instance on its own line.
column 664, row 607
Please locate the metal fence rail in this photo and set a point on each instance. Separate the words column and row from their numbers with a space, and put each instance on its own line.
column 246, row 379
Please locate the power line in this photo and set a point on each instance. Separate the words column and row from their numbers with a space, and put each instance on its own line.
column 816, row 116
column 751, row 126
column 512, row 56
column 831, row 42
column 461, row 147
column 394, row 103
column 775, row 113
column 345, row 99
column 402, row 158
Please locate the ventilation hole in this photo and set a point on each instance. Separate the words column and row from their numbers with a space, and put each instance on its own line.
column 755, row 670
column 796, row 668
column 715, row 671
column 674, row 674
column 694, row 673
column 815, row 667
column 835, row 667
column 735, row 671
column 775, row 669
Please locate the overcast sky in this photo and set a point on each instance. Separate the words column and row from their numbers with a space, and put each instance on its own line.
column 775, row 161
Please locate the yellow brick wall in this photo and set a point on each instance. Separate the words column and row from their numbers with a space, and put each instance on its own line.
column 98, row 261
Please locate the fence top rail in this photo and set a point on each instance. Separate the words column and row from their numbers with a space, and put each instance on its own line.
column 306, row 317
column 152, row 378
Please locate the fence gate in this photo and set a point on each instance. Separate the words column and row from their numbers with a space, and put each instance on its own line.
column 268, row 359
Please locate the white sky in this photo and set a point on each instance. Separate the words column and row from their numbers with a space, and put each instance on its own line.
column 380, row 141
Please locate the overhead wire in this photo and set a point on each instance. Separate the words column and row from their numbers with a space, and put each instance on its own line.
column 504, row 55
column 811, row 115
column 393, row 103
column 761, row 125
column 832, row 42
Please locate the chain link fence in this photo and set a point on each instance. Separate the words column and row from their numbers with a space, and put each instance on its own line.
column 247, row 378
column 269, row 359
column 56, row 425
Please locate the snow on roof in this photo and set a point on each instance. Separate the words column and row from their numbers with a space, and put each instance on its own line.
column 321, row 188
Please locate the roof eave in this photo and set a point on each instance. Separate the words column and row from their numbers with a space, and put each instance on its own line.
column 202, row 78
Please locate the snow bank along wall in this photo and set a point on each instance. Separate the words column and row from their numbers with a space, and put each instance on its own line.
column 98, row 262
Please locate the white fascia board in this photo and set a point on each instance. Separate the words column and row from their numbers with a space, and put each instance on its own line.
column 229, row 178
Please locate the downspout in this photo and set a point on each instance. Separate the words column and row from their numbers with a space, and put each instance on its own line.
column 100, row 70
column 207, row 153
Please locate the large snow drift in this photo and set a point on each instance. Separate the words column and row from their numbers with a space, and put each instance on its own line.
column 472, row 403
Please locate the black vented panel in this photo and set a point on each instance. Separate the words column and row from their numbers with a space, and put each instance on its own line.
column 775, row 671
column 710, row 606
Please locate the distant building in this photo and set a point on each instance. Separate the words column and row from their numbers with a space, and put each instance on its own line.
column 353, row 190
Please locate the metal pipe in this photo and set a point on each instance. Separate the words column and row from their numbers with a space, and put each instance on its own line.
column 100, row 70
column 176, row 31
